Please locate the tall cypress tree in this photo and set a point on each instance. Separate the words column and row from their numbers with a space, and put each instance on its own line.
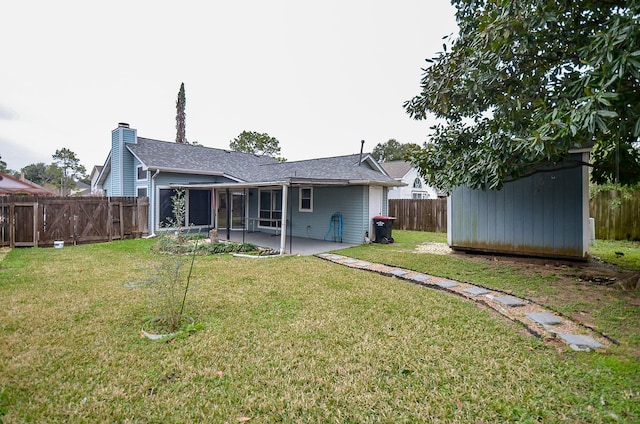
column 181, row 135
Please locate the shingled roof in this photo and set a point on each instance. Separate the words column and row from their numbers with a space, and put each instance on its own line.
column 397, row 168
column 176, row 157
column 251, row 168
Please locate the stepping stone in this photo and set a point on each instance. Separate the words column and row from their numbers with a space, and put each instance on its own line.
column 324, row 255
column 476, row 291
column 581, row 343
column 446, row 284
column 509, row 301
column 363, row 264
column 544, row 318
column 399, row 272
column 350, row 261
column 335, row 257
column 419, row 278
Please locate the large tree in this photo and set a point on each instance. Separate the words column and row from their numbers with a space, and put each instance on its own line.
column 72, row 170
column 42, row 174
column 257, row 143
column 523, row 83
column 181, row 117
column 393, row 150
column 3, row 166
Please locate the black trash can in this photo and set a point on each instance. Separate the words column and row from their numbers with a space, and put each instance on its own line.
column 383, row 226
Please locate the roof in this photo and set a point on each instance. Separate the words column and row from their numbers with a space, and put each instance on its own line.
column 10, row 185
column 188, row 158
column 251, row 168
column 397, row 168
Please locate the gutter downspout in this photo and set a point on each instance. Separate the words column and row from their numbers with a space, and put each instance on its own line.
column 152, row 204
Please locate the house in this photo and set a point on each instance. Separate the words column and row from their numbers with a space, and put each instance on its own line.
column 414, row 186
column 95, row 173
column 331, row 198
column 10, row 185
column 544, row 214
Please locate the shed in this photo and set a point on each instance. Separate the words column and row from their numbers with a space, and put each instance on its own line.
column 545, row 214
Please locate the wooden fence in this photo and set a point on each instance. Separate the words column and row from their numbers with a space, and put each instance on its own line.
column 40, row 221
column 419, row 214
column 616, row 216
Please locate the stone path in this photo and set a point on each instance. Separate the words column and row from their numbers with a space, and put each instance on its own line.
column 536, row 318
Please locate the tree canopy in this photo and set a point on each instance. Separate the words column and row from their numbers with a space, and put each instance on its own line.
column 181, row 117
column 72, row 170
column 3, row 166
column 523, row 83
column 42, row 174
column 393, row 150
column 257, row 143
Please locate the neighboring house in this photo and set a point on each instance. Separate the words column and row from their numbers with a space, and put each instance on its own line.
column 328, row 198
column 414, row 188
column 95, row 173
column 10, row 185
column 545, row 214
column 81, row 189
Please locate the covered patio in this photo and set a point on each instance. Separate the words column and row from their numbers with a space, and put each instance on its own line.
column 294, row 245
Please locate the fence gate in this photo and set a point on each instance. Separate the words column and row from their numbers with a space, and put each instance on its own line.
column 56, row 222
column 23, row 224
column 91, row 221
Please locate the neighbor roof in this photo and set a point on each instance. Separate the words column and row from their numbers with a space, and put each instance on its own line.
column 397, row 168
column 10, row 185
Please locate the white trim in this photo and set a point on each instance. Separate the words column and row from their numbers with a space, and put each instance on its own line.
column 300, row 208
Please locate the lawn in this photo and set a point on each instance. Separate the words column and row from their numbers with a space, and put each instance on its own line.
column 293, row 339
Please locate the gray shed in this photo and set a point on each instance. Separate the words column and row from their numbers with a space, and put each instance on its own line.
column 545, row 214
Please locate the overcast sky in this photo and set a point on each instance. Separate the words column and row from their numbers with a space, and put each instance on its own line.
column 317, row 75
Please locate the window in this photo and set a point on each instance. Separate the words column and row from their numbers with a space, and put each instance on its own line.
column 142, row 192
column 142, row 173
column 306, row 199
column 417, row 183
column 165, row 207
column 270, row 208
column 199, row 207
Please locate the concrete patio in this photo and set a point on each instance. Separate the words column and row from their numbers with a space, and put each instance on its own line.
column 294, row 245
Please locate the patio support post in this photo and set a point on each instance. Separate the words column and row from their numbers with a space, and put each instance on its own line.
column 228, row 214
column 283, row 222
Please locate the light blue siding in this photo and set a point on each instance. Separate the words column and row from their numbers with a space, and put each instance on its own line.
column 116, row 164
column 351, row 202
column 122, row 176
column 539, row 215
column 347, row 201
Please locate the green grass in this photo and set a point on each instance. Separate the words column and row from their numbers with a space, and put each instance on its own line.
column 292, row 339
column 609, row 251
